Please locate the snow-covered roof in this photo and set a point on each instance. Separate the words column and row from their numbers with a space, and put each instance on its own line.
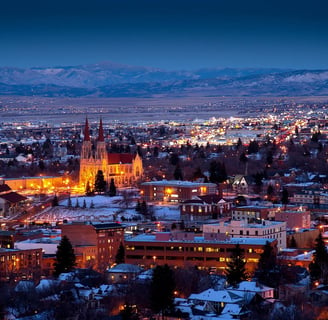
column 216, row 296
column 125, row 268
column 251, row 286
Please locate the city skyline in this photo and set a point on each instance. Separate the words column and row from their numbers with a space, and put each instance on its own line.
column 165, row 34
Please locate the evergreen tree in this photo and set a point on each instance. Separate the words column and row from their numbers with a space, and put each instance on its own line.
column 88, row 190
column 69, row 201
column 239, row 143
column 77, row 204
column 319, row 266
column 178, row 173
column 84, row 204
column 267, row 271
column 112, row 188
column 217, row 172
column 55, row 202
column 253, row 147
column 120, row 255
column 197, row 174
column 270, row 191
column 100, row 183
column 143, row 208
column 65, row 257
column 284, row 197
column 138, row 206
column 243, row 158
column 92, row 205
column 162, row 288
column 236, row 270
column 293, row 243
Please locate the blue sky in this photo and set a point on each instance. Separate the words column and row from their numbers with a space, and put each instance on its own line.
column 166, row 34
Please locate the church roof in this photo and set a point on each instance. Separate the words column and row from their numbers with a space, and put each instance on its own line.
column 12, row 197
column 120, row 158
column 86, row 131
column 101, row 132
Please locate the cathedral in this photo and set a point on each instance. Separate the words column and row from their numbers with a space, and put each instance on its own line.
column 124, row 168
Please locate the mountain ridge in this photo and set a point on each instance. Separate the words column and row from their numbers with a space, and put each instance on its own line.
column 107, row 79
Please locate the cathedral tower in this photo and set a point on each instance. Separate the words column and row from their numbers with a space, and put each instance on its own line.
column 86, row 145
column 101, row 153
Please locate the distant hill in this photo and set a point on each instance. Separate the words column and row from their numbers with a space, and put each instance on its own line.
column 114, row 80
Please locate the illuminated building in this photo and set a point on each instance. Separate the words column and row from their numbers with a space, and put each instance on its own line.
column 96, row 244
column 175, row 190
column 124, row 168
column 181, row 249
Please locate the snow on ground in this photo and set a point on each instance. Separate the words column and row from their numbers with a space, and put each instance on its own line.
column 103, row 209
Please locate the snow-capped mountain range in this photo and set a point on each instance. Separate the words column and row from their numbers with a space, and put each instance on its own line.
column 114, row 80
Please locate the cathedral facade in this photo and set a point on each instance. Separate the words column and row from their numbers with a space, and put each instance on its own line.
column 124, row 168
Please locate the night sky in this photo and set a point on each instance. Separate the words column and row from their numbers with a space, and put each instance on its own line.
column 166, row 34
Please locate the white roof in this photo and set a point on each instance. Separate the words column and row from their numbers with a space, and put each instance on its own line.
column 216, row 296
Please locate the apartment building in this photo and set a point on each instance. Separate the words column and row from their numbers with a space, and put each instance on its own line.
column 181, row 249
column 96, row 243
column 175, row 190
column 242, row 229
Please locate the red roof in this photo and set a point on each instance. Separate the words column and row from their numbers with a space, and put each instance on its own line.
column 4, row 187
column 117, row 158
column 101, row 132
column 12, row 197
column 86, row 130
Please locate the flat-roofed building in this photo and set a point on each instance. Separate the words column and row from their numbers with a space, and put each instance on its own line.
column 295, row 219
column 16, row 263
column 96, row 243
column 175, row 190
column 181, row 249
column 242, row 229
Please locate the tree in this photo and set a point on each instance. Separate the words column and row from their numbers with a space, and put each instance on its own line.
column 270, row 191
column 112, row 188
column 293, row 243
column 267, row 271
column 319, row 266
column 253, row 147
column 239, row 143
column 178, row 173
column 65, row 257
column 218, row 173
column 162, row 288
column 284, row 197
column 69, row 201
column 88, row 190
column 77, row 204
column 100, row 183
column 236, row 270
column 84, row 204
column 120, row 255
column 55, row 201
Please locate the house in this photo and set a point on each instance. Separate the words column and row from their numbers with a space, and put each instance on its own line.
column 123, row 272
column 11, row 202
column 254, row 287
column 240, row 184
column 204, row 207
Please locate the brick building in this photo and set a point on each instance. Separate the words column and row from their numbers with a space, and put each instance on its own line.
column 295, row 219
column 15, row 263
column 175, row 191
column 96, row 244
column 242, row 229
column 182, row 249
column 201, row 208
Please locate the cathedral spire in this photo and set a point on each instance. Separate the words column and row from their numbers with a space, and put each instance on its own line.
column 86, row 131
column 101, row 132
